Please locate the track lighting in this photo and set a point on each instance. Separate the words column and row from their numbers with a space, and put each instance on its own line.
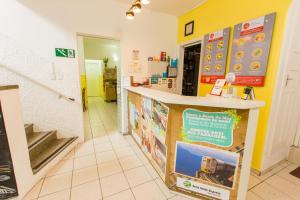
column 137, row 7
column 130, row 14
column 145, row 2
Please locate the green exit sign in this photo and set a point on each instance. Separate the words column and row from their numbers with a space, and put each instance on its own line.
column 65, row 53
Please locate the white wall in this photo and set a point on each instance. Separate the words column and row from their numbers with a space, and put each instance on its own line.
column 37, row 27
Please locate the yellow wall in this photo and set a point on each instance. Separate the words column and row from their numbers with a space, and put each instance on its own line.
column 83, row 85
column 217, row 14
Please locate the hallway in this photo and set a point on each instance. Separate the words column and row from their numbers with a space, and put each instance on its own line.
column 111, row 167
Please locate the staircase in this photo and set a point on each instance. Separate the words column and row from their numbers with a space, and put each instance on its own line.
column 44, row 146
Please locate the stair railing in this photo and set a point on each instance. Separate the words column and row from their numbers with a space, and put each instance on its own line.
column 6, row 38
column 60, row 95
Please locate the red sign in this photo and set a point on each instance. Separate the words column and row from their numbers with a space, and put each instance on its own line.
column 257, row 81
column 211, row 79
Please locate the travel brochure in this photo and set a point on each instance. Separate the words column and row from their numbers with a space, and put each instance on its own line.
column 214, row 56
column 250, row 50
column 154, row 120
column 208, row 156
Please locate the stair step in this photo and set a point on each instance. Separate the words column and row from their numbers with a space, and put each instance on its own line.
column 28, row 128
column 49, row 152
column 34, row 138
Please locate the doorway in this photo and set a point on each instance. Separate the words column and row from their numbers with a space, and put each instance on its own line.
column 99, row 60
column 191, row 68
column 93, row 70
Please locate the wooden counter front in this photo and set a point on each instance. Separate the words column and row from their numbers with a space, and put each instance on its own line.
column 227, row 176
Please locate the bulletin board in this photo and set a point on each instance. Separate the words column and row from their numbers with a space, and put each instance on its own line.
column 214, row 56
column 250, row 50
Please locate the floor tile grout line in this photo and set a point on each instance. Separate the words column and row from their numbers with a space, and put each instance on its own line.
column 70, row 196
column 97, row 164
column 40, row 190
column 123, row 170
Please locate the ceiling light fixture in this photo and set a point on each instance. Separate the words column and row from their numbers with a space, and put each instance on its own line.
column 145, row 2
column 130, row 14
column 137, row 7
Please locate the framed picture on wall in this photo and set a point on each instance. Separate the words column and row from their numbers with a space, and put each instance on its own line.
column 189, row 28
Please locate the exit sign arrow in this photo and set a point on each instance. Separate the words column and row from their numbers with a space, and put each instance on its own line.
column 65, row 53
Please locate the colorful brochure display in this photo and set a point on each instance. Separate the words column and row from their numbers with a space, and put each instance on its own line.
column 149, row 129
column 250, row 50
column 8, row 185
column 214, row 56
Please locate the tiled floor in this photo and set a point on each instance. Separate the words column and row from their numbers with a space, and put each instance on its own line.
column 109, row 166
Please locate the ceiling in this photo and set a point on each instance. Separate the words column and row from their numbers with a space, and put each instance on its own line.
column 173, row 7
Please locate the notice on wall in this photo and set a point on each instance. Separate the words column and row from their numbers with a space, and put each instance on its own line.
column 251, row 49
column 209, row 127
column 135, row 63
column 8, row 185
column 214, row 56
column 207, row 165
column 203, row 189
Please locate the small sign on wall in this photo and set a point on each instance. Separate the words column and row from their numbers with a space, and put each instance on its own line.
column 65, row 53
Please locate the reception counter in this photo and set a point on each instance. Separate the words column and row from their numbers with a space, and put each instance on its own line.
column 201, row 146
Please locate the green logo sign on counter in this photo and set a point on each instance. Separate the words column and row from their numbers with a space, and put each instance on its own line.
column 210, row 127
column 65, row 53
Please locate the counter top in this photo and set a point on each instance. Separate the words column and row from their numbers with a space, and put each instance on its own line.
column 209, row 101
column 8, row 87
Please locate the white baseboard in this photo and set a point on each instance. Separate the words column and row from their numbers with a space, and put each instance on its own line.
column 294, row 155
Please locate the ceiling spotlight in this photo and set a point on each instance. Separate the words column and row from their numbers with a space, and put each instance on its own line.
column 145, row 2
column 130, row 14
column 137, row 7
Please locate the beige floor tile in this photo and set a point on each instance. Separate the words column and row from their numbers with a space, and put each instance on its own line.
column 285, row 163
column 292, row 166
column 252, row 196
column 120, row 144
column 265, row 191
column 179, row 198
column 34, row 192
column 109, row 168
column 253, row 181
column 148, row 191
column 101, row 140
column 286, row 175
column 113, row 184
column 106, row 156
column 62, row 195
column 85, row 161
column 125, row 195
column 63, row 166
column 151, row 171
column 137, row 176
column 284, row 186
column 162, row 186
column 103, row 147
column 85, row 175
column 56, row 183
column 91, row 191
column 124, row 152
column 84, row 149
column 70, row 155
column 130, row 162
